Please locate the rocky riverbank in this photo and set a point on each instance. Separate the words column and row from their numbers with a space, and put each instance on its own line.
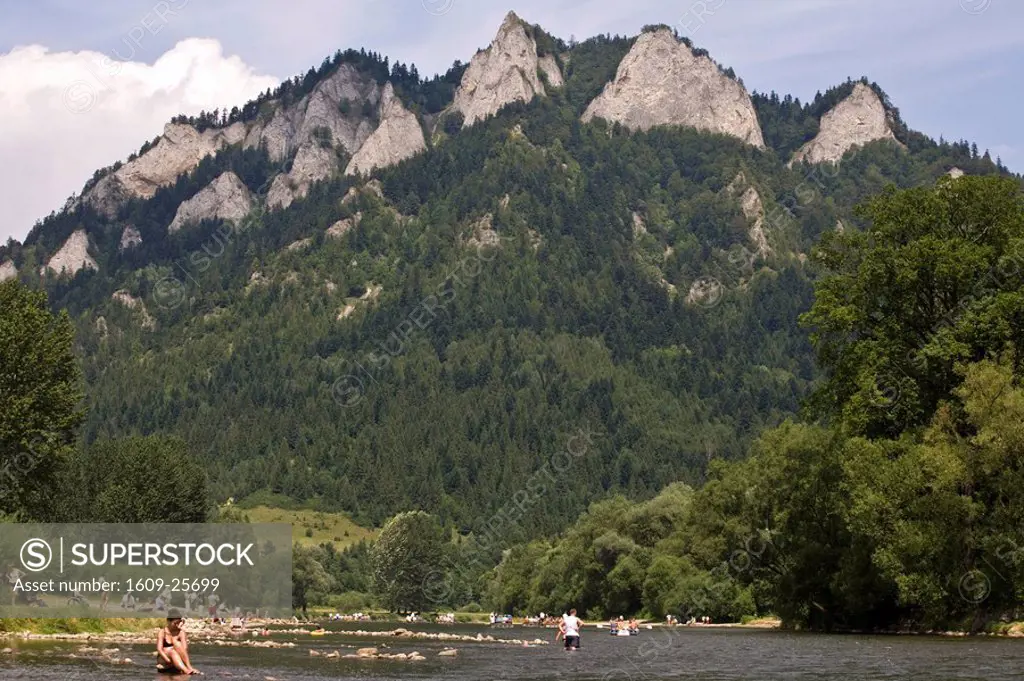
column 258, row 636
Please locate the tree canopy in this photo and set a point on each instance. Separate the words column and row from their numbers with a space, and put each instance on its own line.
column 406, row 558
column 40, row 396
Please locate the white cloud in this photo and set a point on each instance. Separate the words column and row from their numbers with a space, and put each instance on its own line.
column 66, row 114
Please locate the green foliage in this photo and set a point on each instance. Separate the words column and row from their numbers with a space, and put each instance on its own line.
column 310, row 581
column 350, row 568
column 592, row 65
column 134, row 480
column 40, row 391
column 350, row 602
column 940, row 512
column 934, row 280
column 619, row 558
column 406, row 557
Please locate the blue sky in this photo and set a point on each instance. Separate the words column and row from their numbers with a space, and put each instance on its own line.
column 952, row 67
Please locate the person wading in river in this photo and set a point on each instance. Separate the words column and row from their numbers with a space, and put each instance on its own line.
column 172, row 647
column 570, row 630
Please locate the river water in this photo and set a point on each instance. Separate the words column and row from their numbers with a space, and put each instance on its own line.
column 709, row 654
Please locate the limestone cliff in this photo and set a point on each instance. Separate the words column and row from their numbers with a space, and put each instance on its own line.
column 661, row 82
column 313, row 162
column 857, row 120
column 8, row 270
column 226, row 198
column 73, row 256
column 285, row 130
column 549, row 67
column 291, row 127
column 179, row 150
column 505, row 72
column 398, row 137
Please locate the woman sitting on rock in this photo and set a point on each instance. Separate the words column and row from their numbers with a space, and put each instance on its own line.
column 172, row 647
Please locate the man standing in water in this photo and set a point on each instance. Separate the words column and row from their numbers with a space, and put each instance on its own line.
column 172, row 647
column 570, row 629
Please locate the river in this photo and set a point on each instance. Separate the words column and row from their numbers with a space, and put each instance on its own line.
column 709, row 654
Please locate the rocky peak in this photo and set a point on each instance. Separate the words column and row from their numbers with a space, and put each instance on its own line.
column 179, row 150
column 73, row 256
column 8, row 270
column 398, row 137
column 661, row 81
column 857, row 120
column 182, row 147
column 226, row 198
column 335, row 105
column 505, row 72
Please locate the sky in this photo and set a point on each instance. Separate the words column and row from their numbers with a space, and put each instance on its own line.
column 84, row 84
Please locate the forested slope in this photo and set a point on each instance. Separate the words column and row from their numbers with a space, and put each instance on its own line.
column 431, row 338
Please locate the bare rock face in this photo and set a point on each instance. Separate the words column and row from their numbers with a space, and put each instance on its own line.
column 549, row 67
column 661, row 82
column 133, row 303
column 313, row 162
column 505, row 72
column 8, row 270
column 282, row 192
column 300, row 245
column 340, row 228
column 179, row 150
column 182, row 147
column 73, row 256
column 290, row 128
column 398, row 137
column 857, row 120
column 130, row 238
column 753, row 210
column 226, row 198
column 955, row 172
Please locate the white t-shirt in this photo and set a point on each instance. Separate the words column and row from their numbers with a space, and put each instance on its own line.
column 572, row 625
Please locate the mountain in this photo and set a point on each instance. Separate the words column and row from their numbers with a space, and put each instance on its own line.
column 376, row 291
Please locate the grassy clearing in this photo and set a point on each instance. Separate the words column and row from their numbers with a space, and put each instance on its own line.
column 77, row 625
column 312, row 527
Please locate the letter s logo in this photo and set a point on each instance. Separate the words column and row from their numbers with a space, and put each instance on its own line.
column 36, row 555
